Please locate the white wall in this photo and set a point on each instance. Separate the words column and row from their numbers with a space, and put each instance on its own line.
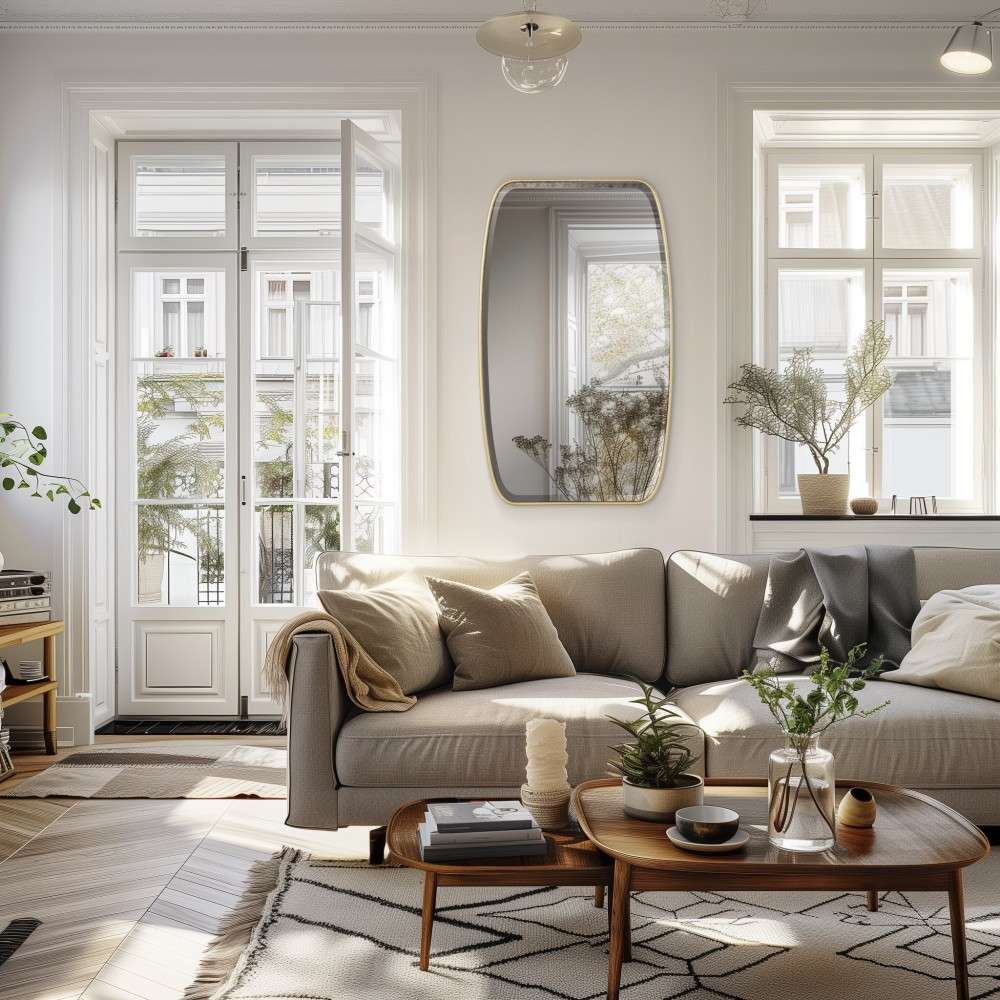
column 634, row 104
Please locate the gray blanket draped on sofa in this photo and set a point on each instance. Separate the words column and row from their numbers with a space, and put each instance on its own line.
column 837, row 598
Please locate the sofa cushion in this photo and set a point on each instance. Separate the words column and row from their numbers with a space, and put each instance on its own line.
column 473, row 739
column 397, row 626
column 924, row 739
column 608, row 608
column 498, row 636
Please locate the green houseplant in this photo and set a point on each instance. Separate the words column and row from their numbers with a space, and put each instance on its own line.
column 793, row 404
column 22, row 453
column 655, row 767
column 801, row 785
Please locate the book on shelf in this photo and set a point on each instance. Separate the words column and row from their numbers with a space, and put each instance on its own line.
column 25, row 617
column 479, row 814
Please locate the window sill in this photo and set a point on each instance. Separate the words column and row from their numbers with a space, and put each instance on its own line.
column 875, row 517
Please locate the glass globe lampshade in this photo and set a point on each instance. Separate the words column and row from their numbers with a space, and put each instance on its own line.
column 533, row 47
column 531, row 76
column 970, row 50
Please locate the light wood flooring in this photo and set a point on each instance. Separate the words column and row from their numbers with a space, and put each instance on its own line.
column 130, row 892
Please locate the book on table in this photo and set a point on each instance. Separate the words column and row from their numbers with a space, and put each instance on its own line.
column 456, row 831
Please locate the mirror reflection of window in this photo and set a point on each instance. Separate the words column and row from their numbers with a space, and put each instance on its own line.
column 577, row 335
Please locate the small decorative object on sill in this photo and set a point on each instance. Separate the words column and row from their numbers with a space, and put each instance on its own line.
column 918, row 505
column 793, row 404
column 165, row 352
column 655, row 769
column 201, row 352
column 546, row 791
column 864, row 506
column 801, row 790
column 857, row 808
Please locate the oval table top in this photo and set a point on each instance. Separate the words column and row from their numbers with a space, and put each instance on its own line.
column 569, row 854
column 911, row 830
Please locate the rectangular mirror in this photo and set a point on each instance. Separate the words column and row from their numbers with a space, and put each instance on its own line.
column 576, row 341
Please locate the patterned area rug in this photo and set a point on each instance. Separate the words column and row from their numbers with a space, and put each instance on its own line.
column 180, row 769
column 343, row 931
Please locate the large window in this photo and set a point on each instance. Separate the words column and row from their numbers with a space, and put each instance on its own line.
column 894, row 236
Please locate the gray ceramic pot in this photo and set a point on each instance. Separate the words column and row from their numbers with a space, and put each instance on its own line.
column 660, row 804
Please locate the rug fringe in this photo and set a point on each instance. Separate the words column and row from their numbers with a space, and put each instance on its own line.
column 222, row 955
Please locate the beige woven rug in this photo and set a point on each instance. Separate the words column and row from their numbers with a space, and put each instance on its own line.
column 326, row 930
column 178, row 769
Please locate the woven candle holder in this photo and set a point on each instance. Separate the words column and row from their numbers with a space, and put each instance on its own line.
column 550, row 809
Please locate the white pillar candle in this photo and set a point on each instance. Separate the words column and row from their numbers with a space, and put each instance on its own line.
column 545, row 744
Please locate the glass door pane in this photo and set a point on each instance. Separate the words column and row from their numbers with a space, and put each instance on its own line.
column 929, row 428
column 371, row 339
column 179, row 404
column 177, row 195
column 296, row 424
column 293, row 194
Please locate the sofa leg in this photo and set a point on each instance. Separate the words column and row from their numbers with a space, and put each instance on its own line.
column 376, row 845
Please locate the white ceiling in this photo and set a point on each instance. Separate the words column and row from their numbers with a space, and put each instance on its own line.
column 465, row 11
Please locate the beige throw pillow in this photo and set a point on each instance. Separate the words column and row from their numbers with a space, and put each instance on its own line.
column 956, row 643
column 499, row 636
column 397, row 626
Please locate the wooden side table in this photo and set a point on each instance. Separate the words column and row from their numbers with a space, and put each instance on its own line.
column 18, row 635
column 571, row 860
column 917, row 844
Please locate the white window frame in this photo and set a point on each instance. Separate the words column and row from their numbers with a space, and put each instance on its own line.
column 127, row 151
column 875, row 261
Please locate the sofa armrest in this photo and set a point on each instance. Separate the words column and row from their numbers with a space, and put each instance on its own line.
column 317, row 709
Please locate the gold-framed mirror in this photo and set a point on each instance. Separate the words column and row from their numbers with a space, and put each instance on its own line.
column 576, row 341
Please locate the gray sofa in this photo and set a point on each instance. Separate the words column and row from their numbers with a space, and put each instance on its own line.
column 686, row 625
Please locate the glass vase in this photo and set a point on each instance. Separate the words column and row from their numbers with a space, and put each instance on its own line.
column 801, row 796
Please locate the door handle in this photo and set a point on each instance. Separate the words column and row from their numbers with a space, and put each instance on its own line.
column 243, row 491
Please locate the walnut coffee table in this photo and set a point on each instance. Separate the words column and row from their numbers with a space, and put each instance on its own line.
column 571, row 860
column 916, row 844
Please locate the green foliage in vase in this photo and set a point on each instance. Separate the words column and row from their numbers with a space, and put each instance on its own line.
column 22, row 452
column 832, row 698
column 618, row 455
column 659, row 755
column 794, row 405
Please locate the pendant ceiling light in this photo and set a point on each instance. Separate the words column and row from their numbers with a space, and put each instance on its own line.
column 970, row 49
column 533, row 47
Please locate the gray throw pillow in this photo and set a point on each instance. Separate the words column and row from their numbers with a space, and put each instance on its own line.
column 397, row 626
column 499, row 636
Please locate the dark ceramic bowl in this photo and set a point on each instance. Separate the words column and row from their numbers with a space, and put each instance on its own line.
column 707, row 824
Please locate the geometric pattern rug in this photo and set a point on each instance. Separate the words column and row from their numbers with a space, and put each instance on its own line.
column 169, row 770
column 345, row 931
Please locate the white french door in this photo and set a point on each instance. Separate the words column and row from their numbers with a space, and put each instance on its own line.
column 260, row 419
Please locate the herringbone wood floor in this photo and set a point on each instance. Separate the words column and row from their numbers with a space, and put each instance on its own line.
column 130, row 891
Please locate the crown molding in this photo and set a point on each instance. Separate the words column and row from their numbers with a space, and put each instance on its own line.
column 447, row 27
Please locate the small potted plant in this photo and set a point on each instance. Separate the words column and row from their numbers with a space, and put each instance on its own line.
column 793, row 405
column 655, row 769
column 801, row 809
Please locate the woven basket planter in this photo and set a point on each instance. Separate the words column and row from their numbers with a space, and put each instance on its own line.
column 824, row 494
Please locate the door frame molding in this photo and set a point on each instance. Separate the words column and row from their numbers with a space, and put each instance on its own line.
column 87, row 119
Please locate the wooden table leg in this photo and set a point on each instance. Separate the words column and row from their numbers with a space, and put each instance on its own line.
column 873, row 900
column 619, row 926
column 956, row 904
column 49, row 698
column 627, row 950
column 427, row 920
column 599, row 896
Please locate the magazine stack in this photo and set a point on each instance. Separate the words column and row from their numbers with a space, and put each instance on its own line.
column 464, row 831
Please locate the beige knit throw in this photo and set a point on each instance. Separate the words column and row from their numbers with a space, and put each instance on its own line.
column 368, row 685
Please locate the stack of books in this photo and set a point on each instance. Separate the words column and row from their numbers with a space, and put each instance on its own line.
column 462, row 831
column 25, row 597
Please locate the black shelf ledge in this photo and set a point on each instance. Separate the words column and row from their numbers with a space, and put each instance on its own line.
column 875, row 517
